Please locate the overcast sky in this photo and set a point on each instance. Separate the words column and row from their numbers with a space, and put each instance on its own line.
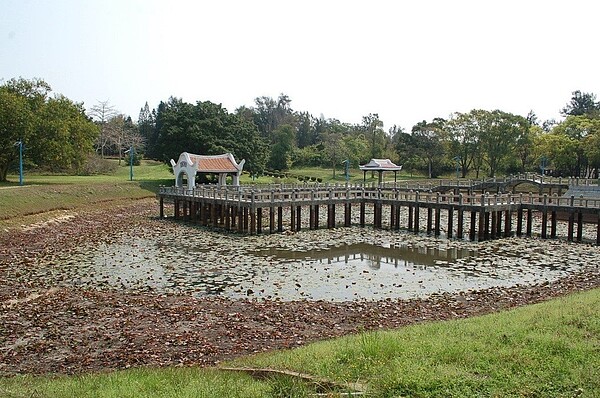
column 405, row 60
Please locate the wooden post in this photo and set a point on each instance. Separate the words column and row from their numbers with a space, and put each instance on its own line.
column 436, row 230
column 486, row 229
column 553, row 225
column 460, row 221
column 498, row 224
column 450, row 222
column 397, row 217
column 362, row 213
column 176, row 206
column 507, row 223
column 416, row 223
column 520, row 221
column 213, row 214
column 279, row 219
column 392, row 216
column 544, row 222
column 227, row 217
column 494, row 224
column 579, row 226
column 259, row 220
column 529, row 222
column 473, row 224
column 271, row 219
column 298, row 218
column 161, row 211
column 347, row 214
column 410, row 218
column 253, row 228
column 293, row 217
column 316, row 216
column 429, row 219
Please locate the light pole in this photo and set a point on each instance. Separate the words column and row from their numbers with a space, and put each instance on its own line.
column 457, row 158
column 347, row 169
column 130, row 150
column 543, row 165
column 20, row 144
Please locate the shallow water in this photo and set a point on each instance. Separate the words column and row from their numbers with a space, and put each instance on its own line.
column 338, row 265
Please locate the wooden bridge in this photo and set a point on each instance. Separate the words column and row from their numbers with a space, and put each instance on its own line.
column 257, row 210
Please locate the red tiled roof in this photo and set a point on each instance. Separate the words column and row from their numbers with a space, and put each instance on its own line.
column 214, row 164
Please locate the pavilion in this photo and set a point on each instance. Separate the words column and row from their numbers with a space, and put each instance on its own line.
column 190, row 164
column 380, row 165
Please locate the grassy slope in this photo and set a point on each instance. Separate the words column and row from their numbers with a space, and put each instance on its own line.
column 545, row 350
column 44, row 193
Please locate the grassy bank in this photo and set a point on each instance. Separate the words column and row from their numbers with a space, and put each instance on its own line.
column 47, row 193
column 545, row 350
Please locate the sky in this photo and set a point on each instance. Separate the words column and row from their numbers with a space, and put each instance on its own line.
column 406, row 61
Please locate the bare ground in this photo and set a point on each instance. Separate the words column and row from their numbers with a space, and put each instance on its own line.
column 53, row 329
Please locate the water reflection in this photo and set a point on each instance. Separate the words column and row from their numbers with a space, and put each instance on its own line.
column 373, row 255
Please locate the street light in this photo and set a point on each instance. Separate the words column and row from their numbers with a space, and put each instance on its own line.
column 457, row 158
column 131, row 152
column 543, row 164
column 347, row 169
column 20, row 144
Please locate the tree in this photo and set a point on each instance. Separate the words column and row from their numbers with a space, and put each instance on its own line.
column 15, row 125
column 102, row 112
column 427, row 139
column 463, row 140
column 64, row 136
column 581, row 104
column 578, row 128
column 372, row 128
column 208, row 129
column 281, row 151
column 147, row 131
column 560, row 151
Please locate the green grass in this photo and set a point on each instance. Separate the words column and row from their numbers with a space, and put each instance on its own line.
column 550, row 349
column 45, row 193
column 546, row 350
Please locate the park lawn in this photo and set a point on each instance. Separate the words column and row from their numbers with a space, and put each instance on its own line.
column 50, row 193
column 549, row 349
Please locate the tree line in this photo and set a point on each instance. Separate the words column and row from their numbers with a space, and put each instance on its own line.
column 60, row 135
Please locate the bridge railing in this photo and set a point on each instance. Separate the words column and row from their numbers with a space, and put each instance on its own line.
column 262, row 198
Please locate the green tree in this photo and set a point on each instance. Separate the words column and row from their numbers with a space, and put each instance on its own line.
column 581, row 104
column 147, row 130
column 463, row 140
column 498, row 136
column 578, row 128
column 15, row 125
column 428, row 141
column 560, row 151
column 281, row 151
column 64, row 136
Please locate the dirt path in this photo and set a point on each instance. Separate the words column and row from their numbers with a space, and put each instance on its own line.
column 49, row 329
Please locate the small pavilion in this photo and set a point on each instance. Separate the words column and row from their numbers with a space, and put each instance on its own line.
column 190, row 164
column 380, row 165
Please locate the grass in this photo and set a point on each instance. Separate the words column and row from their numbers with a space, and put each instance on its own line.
column 46, row 193
column 550, row 349
column 546, row 350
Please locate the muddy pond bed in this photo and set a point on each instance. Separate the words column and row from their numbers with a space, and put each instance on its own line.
column 333, row 265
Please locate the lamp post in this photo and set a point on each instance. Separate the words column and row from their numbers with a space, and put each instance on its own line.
column 543, row 165
column 347, row 169
column 20, row 144
column 457, row 158
column 131, row 152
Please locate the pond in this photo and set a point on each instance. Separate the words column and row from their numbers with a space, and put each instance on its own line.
column 334, row 265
